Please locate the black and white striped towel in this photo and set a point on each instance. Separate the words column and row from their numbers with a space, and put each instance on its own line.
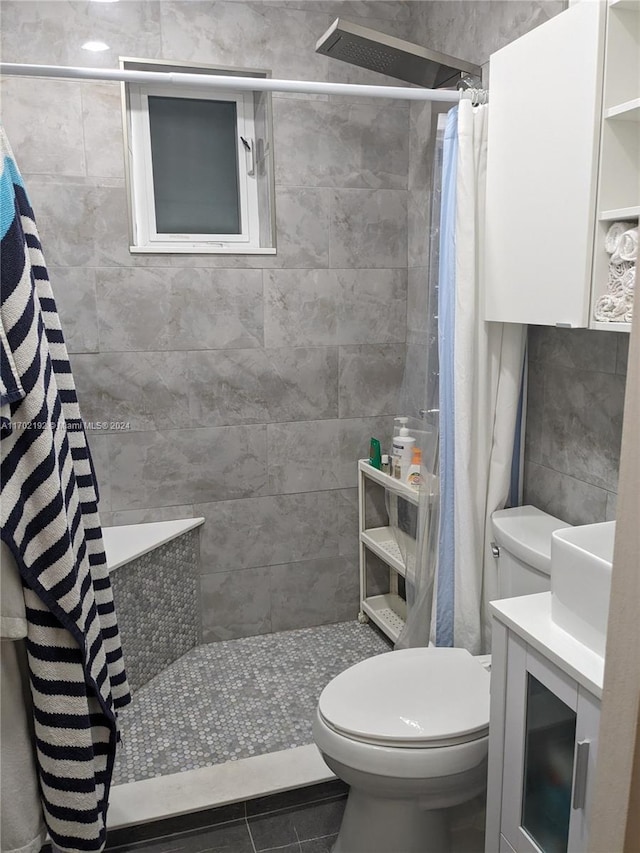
column 49, row 520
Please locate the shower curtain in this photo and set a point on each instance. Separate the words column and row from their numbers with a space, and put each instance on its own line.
column 481, row 369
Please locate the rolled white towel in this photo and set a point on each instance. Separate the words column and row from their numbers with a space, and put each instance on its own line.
column 615, row 232
column 629, row 282
column 627, row 248
column 611, row 309
column 616, row 277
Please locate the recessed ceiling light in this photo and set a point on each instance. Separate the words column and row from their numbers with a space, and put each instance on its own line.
column 95, row 46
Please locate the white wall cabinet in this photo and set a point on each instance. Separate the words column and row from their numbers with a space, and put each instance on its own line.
column 542, row 752
column 563, row 162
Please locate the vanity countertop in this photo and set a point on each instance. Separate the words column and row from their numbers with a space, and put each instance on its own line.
column 529, row 616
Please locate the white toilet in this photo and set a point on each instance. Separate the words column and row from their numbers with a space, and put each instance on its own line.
column 408, row 730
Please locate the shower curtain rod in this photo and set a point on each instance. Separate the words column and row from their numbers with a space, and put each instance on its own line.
column 215, row 81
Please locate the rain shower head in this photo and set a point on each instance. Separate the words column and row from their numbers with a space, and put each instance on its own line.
column 392, row 56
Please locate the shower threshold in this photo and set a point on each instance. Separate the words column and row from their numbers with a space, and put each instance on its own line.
column 230, row 721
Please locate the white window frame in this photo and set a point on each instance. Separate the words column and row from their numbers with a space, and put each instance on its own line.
column 146, row 236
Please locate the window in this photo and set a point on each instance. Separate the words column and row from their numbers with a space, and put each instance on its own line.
column 199, row 177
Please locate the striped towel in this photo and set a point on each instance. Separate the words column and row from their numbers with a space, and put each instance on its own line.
column 49, row 521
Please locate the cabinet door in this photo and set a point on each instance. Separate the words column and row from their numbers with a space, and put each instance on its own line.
column 544, row 119
column 540, row 736
column 584, row 772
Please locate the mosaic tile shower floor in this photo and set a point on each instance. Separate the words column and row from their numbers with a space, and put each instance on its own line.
column 236, row 698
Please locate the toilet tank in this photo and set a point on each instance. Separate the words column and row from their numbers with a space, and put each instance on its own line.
column 522, row 540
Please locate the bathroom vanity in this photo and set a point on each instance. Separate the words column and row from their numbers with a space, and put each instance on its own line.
column 546, row 688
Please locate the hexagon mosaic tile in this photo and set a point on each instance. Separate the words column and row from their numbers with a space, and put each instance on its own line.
column 156, row 598
column 236, row 698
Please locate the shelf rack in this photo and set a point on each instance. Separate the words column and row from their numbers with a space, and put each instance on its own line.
column 389, row 610
column 619, row 167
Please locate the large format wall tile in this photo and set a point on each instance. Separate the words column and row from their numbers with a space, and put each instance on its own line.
column 267, row 531
column 355, row 437
column 52, row 32
column 574, row 348
column 583, row 425
column 180, row 466
column 318, row 455
column 566, row 497
column 371, row 379
column 183, row 309
column 236, row 604
column 418, row 299
column 262, row 386
column 102, row 126
column 421, row 144
column 304, row 457
column 146, row 390
column 99, row 448
column 535, row 412
column 23, row 100
column 324, row 307
column 368, row 228
column 419, row 218
column 333, row 145
column 245, row 35
column 372, row 306
column 304, row 594
column 74, row 289
column 302, row 227
column 348, row 590
column 301, row 308
column 160, row 513
column 82, row 224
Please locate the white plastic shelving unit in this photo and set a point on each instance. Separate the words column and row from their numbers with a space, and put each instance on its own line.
column 619, row 167
column 389, row 610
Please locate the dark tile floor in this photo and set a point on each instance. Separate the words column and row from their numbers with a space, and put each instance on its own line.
column 302, row 821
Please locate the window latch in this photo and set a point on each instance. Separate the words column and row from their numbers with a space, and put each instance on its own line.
column 248, row 150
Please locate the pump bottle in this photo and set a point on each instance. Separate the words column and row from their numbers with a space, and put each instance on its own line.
column 402, row 450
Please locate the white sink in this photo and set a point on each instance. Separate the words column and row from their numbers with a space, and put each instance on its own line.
column 581, row 559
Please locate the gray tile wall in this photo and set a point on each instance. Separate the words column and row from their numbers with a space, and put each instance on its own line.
column 574, row 425
column 251, row 385
column 576, row 377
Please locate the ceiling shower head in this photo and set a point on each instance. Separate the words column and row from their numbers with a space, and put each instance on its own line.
column 392, row 56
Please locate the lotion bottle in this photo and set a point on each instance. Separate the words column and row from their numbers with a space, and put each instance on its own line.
column 414, row 477
column 402, row 449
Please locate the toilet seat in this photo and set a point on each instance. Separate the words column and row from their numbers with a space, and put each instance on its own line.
column 410, row 699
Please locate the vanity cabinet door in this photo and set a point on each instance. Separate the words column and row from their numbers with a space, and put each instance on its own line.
column 550, row 732
column 544, row 124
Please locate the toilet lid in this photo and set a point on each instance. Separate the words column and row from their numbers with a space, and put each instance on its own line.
column 413, row 697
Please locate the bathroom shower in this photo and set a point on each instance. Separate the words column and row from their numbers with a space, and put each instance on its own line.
column 392, row 56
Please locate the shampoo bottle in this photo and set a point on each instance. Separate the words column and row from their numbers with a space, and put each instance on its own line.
column 402, row 450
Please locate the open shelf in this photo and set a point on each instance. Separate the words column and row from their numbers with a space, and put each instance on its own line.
column 628, row 111
column 620, row 213
column 397, row 487
column 611, row 327
column 382, row 541
column 632, row 5
column 619, row 164
column 601, row 261
column 388, row 612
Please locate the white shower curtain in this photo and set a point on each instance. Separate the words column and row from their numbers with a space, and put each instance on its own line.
column 486, row 361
